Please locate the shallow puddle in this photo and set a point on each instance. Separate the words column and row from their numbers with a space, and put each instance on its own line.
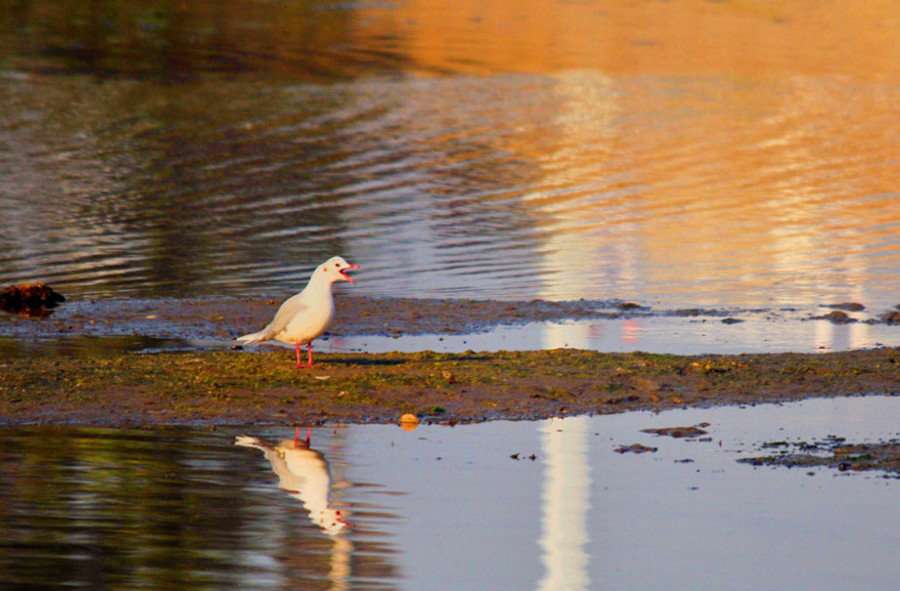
column 137, row 326
column 674, row 335
column 501, row 505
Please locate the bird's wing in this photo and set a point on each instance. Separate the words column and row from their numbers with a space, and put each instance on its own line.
column 287, row 311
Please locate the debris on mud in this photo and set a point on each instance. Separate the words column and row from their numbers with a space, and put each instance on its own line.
column 635, row 448
column 832, row 452
column 680, row 432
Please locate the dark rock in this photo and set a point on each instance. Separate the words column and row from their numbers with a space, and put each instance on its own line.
column 635, row 448
column 33, row 300
column 630, row 306
column 892, row 317
column 837, row 317
column 847, row 306
column 679, row 432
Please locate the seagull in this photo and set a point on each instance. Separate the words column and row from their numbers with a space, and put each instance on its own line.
column 303, row 317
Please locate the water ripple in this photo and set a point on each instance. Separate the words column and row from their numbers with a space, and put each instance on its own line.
column 684, row 189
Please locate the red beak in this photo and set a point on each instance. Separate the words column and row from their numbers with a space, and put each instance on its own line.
column 347, row 277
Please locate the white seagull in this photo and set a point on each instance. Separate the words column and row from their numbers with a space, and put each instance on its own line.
column 305, row 316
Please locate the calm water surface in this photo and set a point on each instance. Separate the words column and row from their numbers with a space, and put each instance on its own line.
column 375, row 507
column 682, row 154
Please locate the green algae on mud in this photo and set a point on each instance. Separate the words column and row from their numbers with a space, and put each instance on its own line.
column 124, row 389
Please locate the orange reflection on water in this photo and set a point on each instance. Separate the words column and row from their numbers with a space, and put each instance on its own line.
column 773, row 161
column 689, row 152
column 745, row 37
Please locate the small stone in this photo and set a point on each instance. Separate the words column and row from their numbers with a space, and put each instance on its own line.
column 409, row 422
column 847, row 306
column 892, row 317
column 837, row 317
column 635, row 448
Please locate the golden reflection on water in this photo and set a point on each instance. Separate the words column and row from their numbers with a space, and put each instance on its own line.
column 727, row 194
column 743, row 38
column 718, row 145
column 694, row 152
column 770, row 159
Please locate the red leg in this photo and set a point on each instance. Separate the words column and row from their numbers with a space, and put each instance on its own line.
column 297, row 346
column 297, row 436
column 309, row 350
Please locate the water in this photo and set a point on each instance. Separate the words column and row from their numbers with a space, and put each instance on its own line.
column 187, row 508
column 453, row 326
column 668, row 335
column 560, row 150
column 678, row 154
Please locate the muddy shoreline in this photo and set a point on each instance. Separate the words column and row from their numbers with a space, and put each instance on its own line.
column 226, row 318
column 98, row 384
column 94, row 364
column 223, row 319
column 113, row 388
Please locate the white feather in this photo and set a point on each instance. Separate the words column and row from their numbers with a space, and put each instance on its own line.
column 305, row 316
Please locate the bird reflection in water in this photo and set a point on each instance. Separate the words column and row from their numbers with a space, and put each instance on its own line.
column 303, row 473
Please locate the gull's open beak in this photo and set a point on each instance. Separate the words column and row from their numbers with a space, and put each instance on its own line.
column 347, row 277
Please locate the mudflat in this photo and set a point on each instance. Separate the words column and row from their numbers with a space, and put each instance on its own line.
column 116, row 388
column 60, row 370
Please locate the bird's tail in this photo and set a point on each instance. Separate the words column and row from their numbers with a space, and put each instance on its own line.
column 254, row 337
